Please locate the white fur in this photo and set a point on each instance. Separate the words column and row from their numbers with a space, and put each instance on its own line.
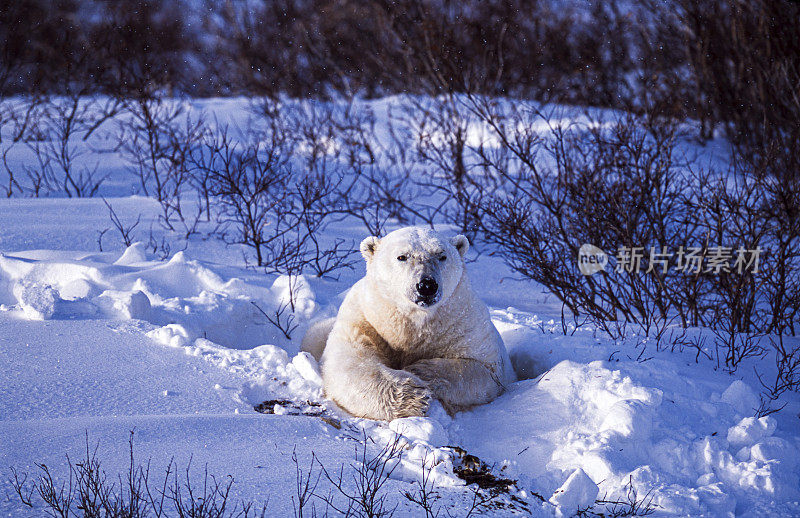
column 385, row 356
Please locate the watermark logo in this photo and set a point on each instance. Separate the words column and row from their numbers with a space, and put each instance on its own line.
column 591, row 259
column 689, row 260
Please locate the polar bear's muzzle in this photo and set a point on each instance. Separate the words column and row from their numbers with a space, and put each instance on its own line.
column 427, row 292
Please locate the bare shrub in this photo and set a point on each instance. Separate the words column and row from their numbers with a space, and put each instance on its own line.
column 248, row 179
column 60, row 127
column 277, row 193
column 125, row 231
column 693, row 246
column 456, row 175
column 90, row 491
column 425, row 496
column 583, row 184
column 15, row 118
column 378, row 177
column 369, row 475
column 631, row 504
column 304, row 487
column 298, row 222
column 284, row 322
column 158, row 139
column 786, row 377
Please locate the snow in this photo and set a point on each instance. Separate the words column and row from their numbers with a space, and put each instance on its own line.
column 740, row 397
column 751, row 430
column 98, row 343
column 422, row 429
column 38, row 302
column 578, row 492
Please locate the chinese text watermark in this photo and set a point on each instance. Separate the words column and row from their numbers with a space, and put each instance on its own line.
column 689, row 260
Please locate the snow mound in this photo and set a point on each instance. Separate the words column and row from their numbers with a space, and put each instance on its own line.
column 423, row 429
column 577, row 493
column 182, row 291
column 740, row 397
column 37, row 301
column 134, row 254
column 580, row 425
column 410, row 455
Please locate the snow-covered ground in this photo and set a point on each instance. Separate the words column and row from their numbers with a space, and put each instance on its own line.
column 96, row 344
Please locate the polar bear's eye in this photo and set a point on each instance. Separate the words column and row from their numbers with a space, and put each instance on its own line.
column 401, row 258
column 443, row 258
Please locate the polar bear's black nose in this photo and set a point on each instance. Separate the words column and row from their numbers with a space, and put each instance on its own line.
column 427, row 287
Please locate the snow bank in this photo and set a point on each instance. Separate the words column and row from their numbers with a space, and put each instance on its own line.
column 181, row 291
column 420, row 451
column 577, row 493
column 188, row 304
column 37, row 301
column 585, row 426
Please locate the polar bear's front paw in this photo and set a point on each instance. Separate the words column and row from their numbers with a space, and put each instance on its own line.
column 408, row 396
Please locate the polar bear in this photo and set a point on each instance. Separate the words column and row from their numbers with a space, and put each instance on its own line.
column 410, row 330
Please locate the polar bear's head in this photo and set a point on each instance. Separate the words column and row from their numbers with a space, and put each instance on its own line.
column 416, row 265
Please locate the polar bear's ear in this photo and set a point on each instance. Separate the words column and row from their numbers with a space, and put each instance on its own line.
column 368, row 247
column 461, row 243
